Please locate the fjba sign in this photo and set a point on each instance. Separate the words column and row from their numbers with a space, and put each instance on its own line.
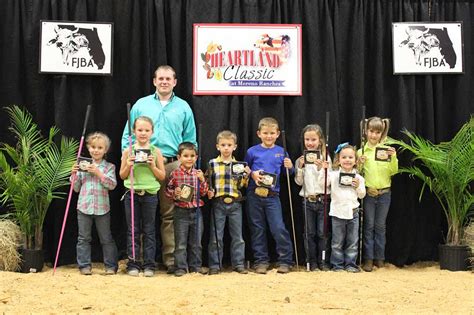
column 247, row 59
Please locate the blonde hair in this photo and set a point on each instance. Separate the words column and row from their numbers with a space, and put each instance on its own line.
column 166, row 68
column 144, row 118
column 322, row 140
column 226, row 134
column 268, row 122
column 381, row 125
column 336, row 162
column 98, row 135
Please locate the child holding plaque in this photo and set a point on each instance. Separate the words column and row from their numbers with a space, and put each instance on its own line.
column 266, row 160
column 95, row 177
column 308, row 170
column 183, row 189
column 346, row 188
column 148, row 170
column 378, row 163
column 226, row 177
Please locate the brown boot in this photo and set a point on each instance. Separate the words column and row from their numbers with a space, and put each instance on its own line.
column 368, row 265
column 379, row 263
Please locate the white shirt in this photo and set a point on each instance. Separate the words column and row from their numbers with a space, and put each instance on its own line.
column 308, row 178
column 344, row 198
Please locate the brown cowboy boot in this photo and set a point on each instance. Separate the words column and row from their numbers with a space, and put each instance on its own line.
column 368, row 265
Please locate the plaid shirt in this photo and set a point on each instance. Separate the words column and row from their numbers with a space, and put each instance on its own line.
column 189, row 177
column 221, row 179
column 94, row 191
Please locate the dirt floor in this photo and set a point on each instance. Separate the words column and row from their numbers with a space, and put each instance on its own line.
column 420, row 288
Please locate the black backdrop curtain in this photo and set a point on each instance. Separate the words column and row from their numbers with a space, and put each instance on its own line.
column 347, row 63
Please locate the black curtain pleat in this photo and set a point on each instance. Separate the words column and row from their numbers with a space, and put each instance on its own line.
column 347, row 64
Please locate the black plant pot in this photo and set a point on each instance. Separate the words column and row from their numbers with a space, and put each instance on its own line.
column 453, row 257
column 32, row 260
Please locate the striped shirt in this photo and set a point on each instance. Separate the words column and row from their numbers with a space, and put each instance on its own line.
column 94, row 191
column 222, row 180
column 182, row 176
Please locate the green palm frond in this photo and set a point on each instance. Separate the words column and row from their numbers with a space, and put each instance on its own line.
column 447, row 169
column 39, row 167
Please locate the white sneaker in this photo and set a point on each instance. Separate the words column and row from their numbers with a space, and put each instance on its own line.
column 133, row 272
column 149, row 273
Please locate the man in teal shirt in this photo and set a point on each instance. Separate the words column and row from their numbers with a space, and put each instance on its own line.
column 173, row 124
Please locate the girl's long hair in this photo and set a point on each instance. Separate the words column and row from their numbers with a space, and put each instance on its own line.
column 322, row 139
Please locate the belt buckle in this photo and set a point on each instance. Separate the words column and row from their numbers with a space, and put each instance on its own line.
column 228, row 200
column 140, row 192
column 312, row 198
column 262, row 192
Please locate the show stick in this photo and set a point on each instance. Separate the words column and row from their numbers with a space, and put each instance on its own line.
column 306, row 244
column 132, row 190
column 214, row 218
column 198, row 191
column 361, row 212
column 291, row 203
column 325, row 213
column 71, row 188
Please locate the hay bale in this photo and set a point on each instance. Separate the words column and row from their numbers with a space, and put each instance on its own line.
column 9, row 241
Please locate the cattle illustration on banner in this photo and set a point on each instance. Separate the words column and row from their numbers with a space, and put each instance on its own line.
column 427, row 48
column 76, row 47
column 252, row 59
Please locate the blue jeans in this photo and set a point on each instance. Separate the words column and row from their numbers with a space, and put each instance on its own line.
column 233, row 212
column 188, row 229
column 83, row 248
column 261, row 210
column 375, row 215
column 315, row 242
column 144, row 219
column 345, row 238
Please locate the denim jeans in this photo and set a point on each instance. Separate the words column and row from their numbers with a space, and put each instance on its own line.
column 144, row 223
column 375, row 215
column 83, row 248
column 261, row 210
column 345, row 238
column 188, row 229
column 233, row 212
column 315, row 242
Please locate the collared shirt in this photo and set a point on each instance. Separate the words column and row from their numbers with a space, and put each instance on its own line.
column 182, row 176
column 269, row 160
column 222, row 180
column 94, row 191
column 307, row 177
column 343, row 198
column 378, row 174
column 173, row 123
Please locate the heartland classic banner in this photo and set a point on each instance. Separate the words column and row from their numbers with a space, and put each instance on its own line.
column 247, row 59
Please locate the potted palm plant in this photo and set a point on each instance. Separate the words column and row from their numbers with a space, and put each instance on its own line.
column 31, row 172
column 447, row 169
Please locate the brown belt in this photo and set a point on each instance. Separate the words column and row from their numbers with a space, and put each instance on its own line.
column 372, row 192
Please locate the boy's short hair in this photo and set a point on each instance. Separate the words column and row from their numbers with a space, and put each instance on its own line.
column 268, row 122
column 187, row 146
column 226, row 134
column 166, row 68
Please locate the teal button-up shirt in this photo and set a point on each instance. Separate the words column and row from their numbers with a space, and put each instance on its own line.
column 173, row 123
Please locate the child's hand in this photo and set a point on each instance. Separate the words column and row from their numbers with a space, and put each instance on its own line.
column 74, row 169
column 287, row 163
column 362, row 159
column 257, row 177
column 210, row 193
column 319, row 163
column 301, row 161
column 177, row 192
column 200, row 175
column 391, row 151
column 94, row 170
column 355, row 182
column 151, row 161
column 324, row 164
column 131, row 160
column 247, row 171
